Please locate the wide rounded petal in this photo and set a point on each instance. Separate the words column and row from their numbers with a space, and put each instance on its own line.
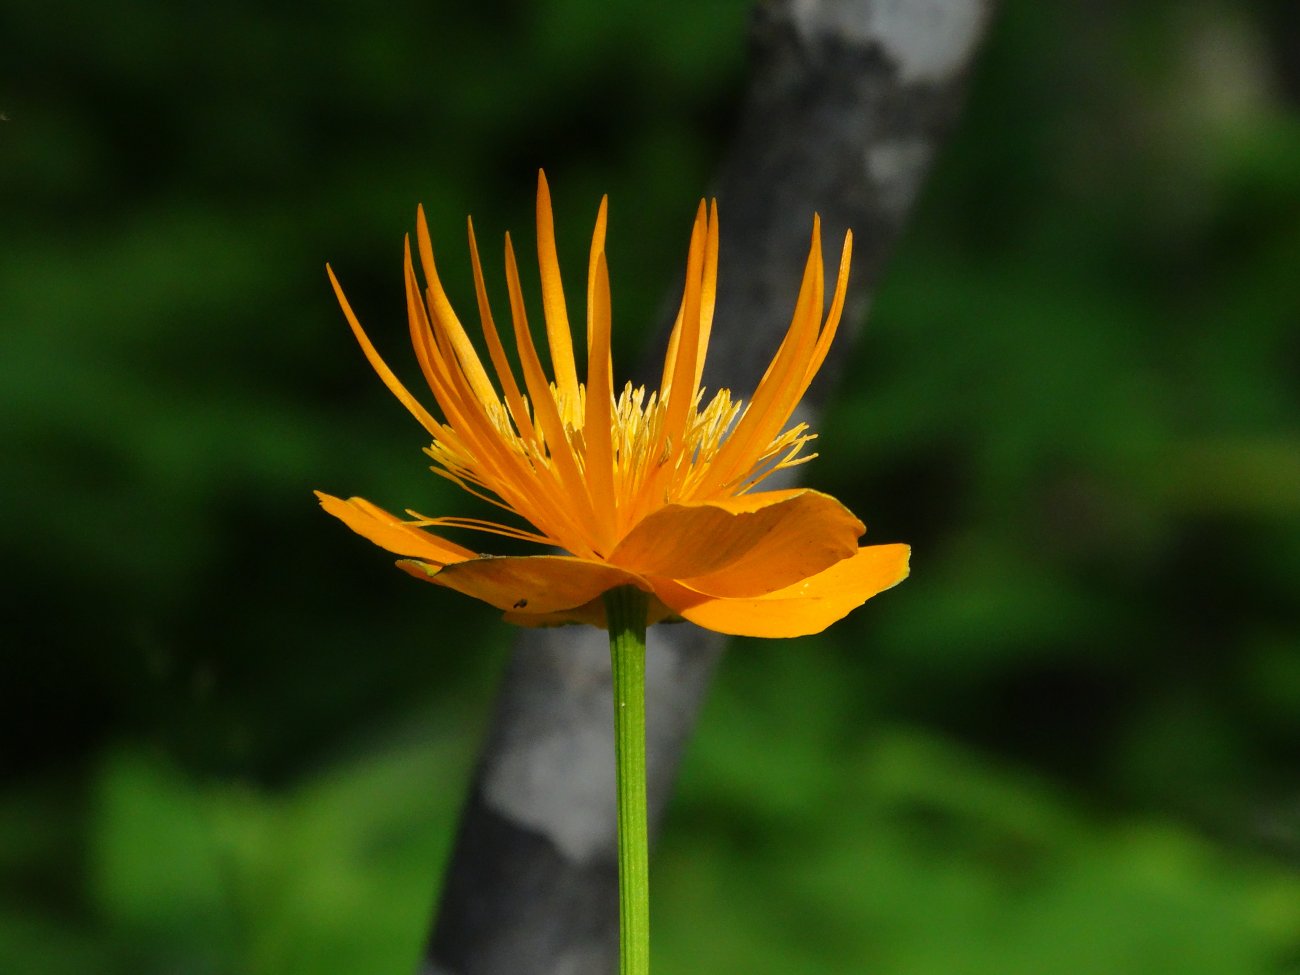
column 592, row 613
column 742, row 546
column 528, row 583
column 804, row 608
column 392, row 533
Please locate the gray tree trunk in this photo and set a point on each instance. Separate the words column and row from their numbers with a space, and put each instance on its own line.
column 847, row 103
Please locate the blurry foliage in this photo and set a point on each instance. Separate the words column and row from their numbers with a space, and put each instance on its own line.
column 237, row 739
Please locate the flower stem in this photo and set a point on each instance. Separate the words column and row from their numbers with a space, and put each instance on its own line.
column 625, row 613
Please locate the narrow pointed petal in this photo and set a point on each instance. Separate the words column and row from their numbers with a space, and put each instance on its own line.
column 597, row 428
column 422, row 340
column 680, row 372
column 381, row 368
column 683, row 326
column 532, row 583
column 547, row 415
column 523, row 490
column 743, row 546
column 392, row 533
column 597, row 249
column 557, row 316
column 678, row 390
column 774, row 399
column 466, row 415
column 468, row 425
column 505, row 375
column 708, row 291
column 802, row 609
column 448, row 326
column 670, row 355
column 832, row 325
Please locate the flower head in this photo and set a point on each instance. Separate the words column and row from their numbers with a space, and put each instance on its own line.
column 655, row 490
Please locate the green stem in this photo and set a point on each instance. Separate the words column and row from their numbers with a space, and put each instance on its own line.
column 625, row 613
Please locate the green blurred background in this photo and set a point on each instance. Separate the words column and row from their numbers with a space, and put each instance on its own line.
column 236, row 739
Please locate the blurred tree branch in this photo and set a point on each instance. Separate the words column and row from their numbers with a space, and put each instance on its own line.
column 847, row 103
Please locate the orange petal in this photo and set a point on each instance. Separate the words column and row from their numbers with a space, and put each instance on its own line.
column 514, row 400
column 390, row 532
column 833, row 317
column 553, row 308
column 592, row 613
column 536, row 583
column 448, row 328
column 806, row 607
column 708, row 292
column 597, row 428
column 677, row 390
column 547, row 416
column 743, row 546
column 775, row 398
column 381, row 368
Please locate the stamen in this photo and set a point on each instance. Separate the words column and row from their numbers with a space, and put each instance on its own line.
column 479, row 525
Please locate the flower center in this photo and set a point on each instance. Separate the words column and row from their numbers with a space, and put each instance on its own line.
column 649, row 471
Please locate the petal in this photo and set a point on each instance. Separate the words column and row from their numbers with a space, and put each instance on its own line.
column 827, row 335
column 553, row 308
column 570, row 483
column 777, row 394
column 536, row 583
column 506, row 375
column 804, row 608
column 743, row 546
column 592, row 613
column 381, row 368
column 597, row 428
column 390, row 532
column 678, row 389
column 709, row 292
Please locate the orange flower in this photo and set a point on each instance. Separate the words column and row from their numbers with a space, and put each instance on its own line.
column 653, row 491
